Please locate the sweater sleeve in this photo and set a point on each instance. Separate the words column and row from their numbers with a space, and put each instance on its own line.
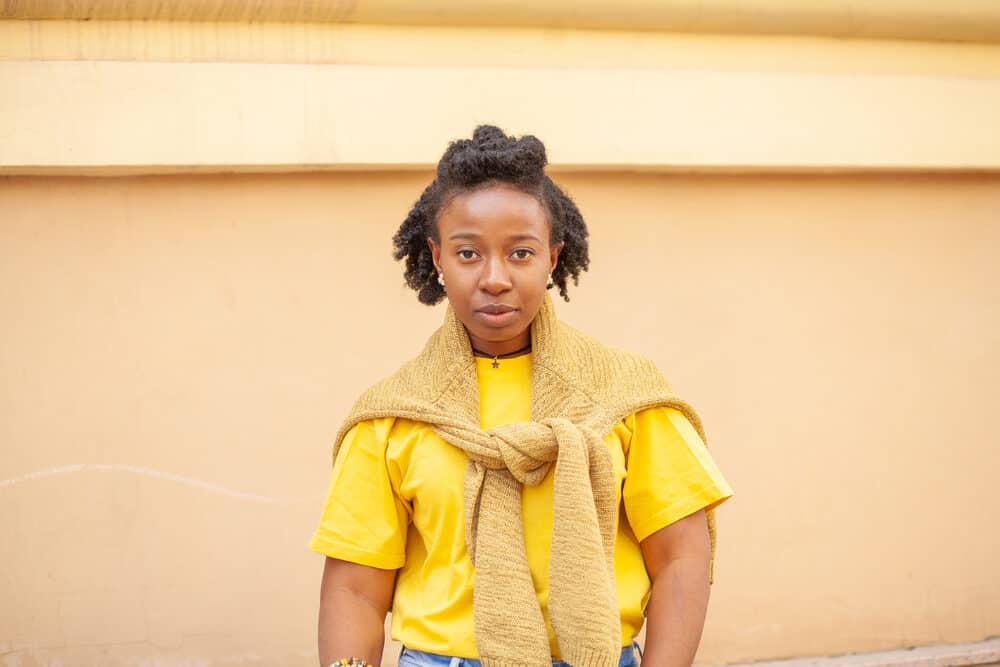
column 669, row 472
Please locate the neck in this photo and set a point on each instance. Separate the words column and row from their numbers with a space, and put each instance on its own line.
column 499, row 348
column 516, row 353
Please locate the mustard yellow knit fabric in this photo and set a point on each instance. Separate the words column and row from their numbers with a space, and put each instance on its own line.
column 580, row 390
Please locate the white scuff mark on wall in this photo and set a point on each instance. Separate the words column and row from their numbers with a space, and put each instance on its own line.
column 149, row 472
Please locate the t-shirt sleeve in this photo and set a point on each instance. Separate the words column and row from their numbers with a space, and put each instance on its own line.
column 364, row 520
column 669, row 472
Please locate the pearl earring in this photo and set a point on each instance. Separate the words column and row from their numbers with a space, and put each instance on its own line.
column 550, row 283
column 441, row 279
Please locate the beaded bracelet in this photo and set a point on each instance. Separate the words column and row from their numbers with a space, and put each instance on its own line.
column 350, row 662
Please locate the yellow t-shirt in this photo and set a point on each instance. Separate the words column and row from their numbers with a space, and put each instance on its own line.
column 396, row 496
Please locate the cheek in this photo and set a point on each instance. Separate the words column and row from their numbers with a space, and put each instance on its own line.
column 462, row 278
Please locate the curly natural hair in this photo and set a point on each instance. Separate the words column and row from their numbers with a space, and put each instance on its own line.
column 490, row 157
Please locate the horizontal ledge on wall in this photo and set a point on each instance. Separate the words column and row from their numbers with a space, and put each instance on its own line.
column 940, row 655
column 444, row 46
column 955, row 20
column 82, row 117
column 98, row 171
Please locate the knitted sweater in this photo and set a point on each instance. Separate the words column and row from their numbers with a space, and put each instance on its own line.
column 580, row 390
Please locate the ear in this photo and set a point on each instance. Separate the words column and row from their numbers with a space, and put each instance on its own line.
column 554, row 256
column 435, row 253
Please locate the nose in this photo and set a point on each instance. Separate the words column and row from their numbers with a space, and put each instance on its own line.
column 495, row 278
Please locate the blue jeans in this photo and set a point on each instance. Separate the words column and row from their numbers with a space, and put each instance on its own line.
column 411, row 658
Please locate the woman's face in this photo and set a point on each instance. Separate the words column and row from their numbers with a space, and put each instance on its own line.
column 495, row 257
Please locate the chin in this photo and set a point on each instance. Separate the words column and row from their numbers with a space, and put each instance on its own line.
column 499, row 334
column 496, row 335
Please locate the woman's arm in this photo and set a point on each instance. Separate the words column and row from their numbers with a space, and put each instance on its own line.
column 353, row 602
column 677, row 559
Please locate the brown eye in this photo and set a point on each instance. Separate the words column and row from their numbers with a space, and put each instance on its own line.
column 467, row 254
column 522, row 253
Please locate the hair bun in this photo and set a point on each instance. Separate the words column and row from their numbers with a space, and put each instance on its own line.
column 492, row 154
column 490, row 137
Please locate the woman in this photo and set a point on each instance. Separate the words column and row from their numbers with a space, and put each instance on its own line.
column 518, row 494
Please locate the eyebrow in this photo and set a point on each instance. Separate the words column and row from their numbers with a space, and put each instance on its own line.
column 473, row 236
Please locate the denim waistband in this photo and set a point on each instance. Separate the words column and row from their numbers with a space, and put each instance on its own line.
column 413, row 658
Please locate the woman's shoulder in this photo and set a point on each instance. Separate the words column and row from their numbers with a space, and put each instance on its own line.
column 602, row 366
column 389, row 438
column 393, row 402
column 624, row 382
column 385, row 428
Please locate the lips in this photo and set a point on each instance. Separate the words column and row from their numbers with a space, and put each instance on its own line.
column 497, row 309
column 497, row 315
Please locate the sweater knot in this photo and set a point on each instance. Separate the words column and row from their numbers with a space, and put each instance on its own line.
column 529, row 449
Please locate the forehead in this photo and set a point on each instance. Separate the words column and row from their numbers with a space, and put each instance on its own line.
column 494, row 210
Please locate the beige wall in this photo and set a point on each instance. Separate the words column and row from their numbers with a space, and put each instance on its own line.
column 201, row 337
column 810, row 255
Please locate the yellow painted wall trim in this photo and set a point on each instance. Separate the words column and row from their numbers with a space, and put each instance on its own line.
column 448, row 46
column 85, row 117
column 963, row 20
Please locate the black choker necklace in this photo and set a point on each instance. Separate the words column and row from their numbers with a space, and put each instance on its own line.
column 497, row 357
